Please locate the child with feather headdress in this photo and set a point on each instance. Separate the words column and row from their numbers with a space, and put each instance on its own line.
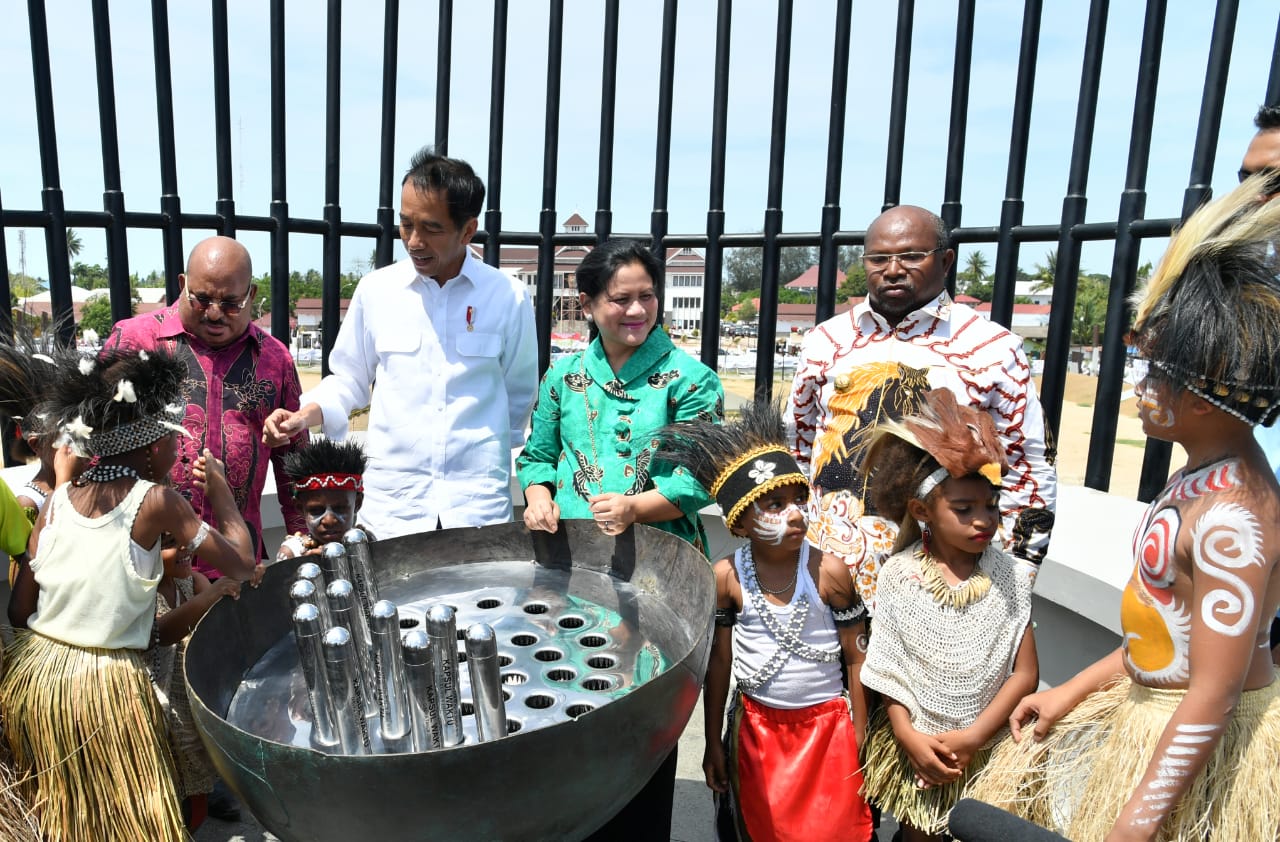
column 790, row 630
column 79, row 712
column 953, row 650
column 1174, row 735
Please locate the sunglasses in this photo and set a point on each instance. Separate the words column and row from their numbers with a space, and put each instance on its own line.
column 228, row 306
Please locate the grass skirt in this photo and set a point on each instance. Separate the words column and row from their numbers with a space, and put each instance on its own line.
column 84, row 728
column 1078, row 779
column 891, row 780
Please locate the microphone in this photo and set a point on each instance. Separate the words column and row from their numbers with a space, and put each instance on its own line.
column 976, row 821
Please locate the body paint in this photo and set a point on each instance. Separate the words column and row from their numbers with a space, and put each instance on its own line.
column 1227, row 538
column 771, row 527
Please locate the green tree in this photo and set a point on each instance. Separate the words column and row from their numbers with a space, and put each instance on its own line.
column 95, row 313
column 744, row 267
column 747, row 312
column 977, row 282
column 1047, row 271
column 90, row 276
column 1091, row 307
column 74, row 245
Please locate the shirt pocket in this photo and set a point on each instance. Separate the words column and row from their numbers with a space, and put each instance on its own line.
column 471, row 344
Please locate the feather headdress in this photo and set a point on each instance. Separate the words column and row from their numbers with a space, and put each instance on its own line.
column 738, row 462
column 118, row 402
column 1209, row 318
column 27, row 364
column 910, row 458
column 326, row 464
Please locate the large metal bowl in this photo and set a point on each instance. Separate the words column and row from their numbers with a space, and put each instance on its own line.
column 556, row 782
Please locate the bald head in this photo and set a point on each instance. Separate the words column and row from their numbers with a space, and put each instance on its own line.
column 216, row 304
column 919, row 256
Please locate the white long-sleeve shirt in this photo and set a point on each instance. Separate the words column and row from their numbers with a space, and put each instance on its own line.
column 452, row 372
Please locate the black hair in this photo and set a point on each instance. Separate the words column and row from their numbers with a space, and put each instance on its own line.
column 452, row 178
column 1268, row 117
column 322, row 456
column 604, row 261
column 119, row 387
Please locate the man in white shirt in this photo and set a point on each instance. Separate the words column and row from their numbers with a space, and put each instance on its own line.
column 450, row 345
column 874, row 363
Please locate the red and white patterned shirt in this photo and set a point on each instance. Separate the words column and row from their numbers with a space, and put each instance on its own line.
column 857, row 370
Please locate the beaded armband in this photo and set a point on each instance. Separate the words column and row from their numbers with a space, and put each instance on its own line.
column 849, row 616
column 726, row 617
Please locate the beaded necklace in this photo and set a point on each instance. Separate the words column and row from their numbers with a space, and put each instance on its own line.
column 106, row 473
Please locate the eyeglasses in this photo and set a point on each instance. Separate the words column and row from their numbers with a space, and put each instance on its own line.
column 228, row 306
column 906, row 259
column 1272, row 183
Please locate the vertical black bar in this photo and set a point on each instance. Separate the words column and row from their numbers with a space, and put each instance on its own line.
column 279, row 202
column 898, row 105
column 828, row 274
column 225, row 205
column 608, row 105
column 497, row 100
column 387, row 166
column 170, row 203
column 6, row 317
column 331, row 260
column 959, row 122
column 112, row 196
column 1273, row 78
column 1058, row 342
column 444, row 59
column 712, row 282
column 51, row 198
column 1006, row 271
column 1155, row 461
column 662, row 156
column 547, row 218
column 772, row 256
column 1124, row 266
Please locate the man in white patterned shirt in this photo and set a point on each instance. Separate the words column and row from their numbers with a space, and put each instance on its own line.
column 874, row 362
column 451, row 346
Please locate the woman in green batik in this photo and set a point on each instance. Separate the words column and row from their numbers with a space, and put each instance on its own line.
column 590, row 454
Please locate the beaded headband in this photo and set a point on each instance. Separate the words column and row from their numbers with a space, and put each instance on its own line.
column 330, row 481
column 751, row 476
column 126, row 437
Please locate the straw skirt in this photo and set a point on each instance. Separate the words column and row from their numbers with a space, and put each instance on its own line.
column 891, row 780
column 1078, row 779
column 85, row 731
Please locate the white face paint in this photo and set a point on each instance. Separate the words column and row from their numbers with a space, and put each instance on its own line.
column 313, row 520
column 1155, row 411
column 1227, row 538
column 771, row 527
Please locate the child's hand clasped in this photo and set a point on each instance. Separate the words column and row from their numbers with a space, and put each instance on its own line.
column 935, row 764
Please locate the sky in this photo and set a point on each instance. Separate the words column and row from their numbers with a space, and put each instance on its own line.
column 997, row 31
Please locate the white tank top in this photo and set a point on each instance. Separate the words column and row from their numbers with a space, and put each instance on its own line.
column 786, row 659
column 97, row 586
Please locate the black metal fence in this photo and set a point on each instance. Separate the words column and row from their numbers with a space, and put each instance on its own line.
column 1068, row 233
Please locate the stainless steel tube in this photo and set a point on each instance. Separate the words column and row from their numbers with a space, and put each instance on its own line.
column 303, row 592
column 310, row 571
column 333, row 563
column 345, row 612
column 486, row 682
column 443, row 632
column 420, row 673
column 340, row 669
column 394, row 707
column 360, row 563
column 307, row 632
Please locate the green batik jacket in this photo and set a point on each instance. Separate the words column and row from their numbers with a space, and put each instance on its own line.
column 612, row 450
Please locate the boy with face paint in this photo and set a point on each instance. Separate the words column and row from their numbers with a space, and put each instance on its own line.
column 328, row 489
column 791, row 630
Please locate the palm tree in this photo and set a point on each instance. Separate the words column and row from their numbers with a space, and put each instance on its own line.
column 74, row 246
column 975, row 267
column 1047, row 271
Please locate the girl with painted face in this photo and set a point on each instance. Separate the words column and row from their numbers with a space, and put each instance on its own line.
column 1174, row 734
column 790, row 630
column 328, row 488
column 952, row 652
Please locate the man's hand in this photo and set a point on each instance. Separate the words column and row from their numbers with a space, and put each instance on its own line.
column 282, row 425
column 714, row 767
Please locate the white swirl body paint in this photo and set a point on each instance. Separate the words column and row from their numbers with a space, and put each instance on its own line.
column 1224, row 539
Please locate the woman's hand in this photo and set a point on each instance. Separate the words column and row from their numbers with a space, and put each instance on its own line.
column 540, row 511
column 613, row 513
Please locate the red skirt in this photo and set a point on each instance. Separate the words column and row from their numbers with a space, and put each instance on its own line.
column 795, row 774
